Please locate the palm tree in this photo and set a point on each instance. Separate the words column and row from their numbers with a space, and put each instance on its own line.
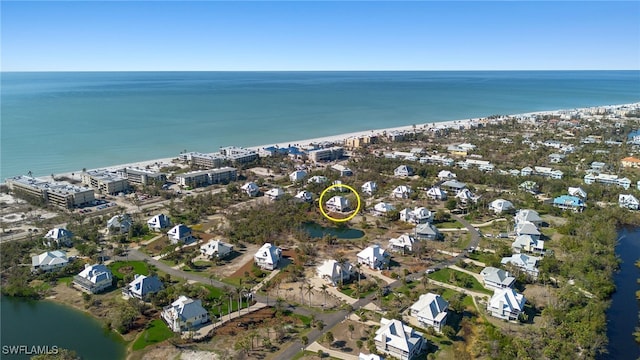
column 358, row 267
column 324, row 288
column 239, row 293
column 309, row 289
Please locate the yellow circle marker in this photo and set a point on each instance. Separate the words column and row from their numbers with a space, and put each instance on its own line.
column 350, row 216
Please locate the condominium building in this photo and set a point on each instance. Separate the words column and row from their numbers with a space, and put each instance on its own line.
column 238, row 154
column 104, row 181
column 60, row 194
column 195, row 179
column 327, row 154
column 138, row 176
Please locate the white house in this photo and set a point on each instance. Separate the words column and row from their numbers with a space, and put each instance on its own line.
column 466, row 196
column 427, row 231
column 527, row 243
column 628, row 201
column 342, row 170
column 527, row 215
column 183, row 313
column 374, row 257
column 398, row 340
column 435, row 193
column 382, row 208
column 304, row 196
column 338, row 204
column 297, row 175
column 251, row 189
column 496, row 279
column 60, row 236
column 275, row 193
column 506, row 304
column 403, row 170
column 430, row 310
column 363, row 356
column 402, row 243
column 369, row 187
column 142, row 287
column 335, row 272
column 94, row 278
column 523, row 262
column 499, row 206
column 268, row 257
column 49, row 260
column 180, row 234
column 446, row 175
column 419, row 215
column 119, row 224
column 317, row 179
column 527, row 228
column 577, row 191
column 401, row 192
column 216, row 249
column 159, row 222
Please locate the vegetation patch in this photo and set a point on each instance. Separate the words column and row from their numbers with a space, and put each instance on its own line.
column 120, row 269
column 156, row 331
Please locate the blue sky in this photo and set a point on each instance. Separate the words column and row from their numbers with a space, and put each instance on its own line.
column 305, row 35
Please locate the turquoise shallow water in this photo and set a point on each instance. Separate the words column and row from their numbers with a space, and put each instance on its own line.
column 57, row 122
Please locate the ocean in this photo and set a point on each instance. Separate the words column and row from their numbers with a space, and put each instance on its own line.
column 65, row 121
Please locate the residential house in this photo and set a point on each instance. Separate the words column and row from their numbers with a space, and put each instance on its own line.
column 363, row 356
column 304, row 196
column 60, row 236
column 496, row 279
column 402, row 192
column 335, row 272
column 419, row 215
column 268, row 257
column 374, row 257
column 342, row 170
column 49, row 260
column 523, row 262
column 403, row 170
column 628, row 201
column 607, row 179
column 465, row 196
column 527, row 215
column 119, row 224
column 435, row 193
column 427, row 231
column 530, row 186
column 526, row 171
column 630, row 162
column 251, row 189
column 159, row 222
column 430, row 310
column 527, row 228
column 180, row 234
column 499, row 206
column 567, row 202
column 317, row 179
column 453, row 185
column 382, row 208
column 216, row 249
column 577, row 191
column 446, row 175
column 398, row 340
column 275, row 193
column 369, row 187
column 142, row 287
column 506, row 304
column 184, row 313
column 338, row 204
column 297, row 175
column 94, row 278
column 527, row 243
column 402, row 243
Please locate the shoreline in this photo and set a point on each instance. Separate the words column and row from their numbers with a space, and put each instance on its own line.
column 161, row 162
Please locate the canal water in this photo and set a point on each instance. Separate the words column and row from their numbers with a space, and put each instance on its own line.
column 47, row 325
column 622, row 316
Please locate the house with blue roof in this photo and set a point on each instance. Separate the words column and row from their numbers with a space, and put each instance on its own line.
column 568, row 202
column 634, row 137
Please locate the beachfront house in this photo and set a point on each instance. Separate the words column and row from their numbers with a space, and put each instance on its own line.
column 59, row 237
column 628, row 201
column 50, row 260
column 268, row 257
column 399, row 340
column 419, row 215
column 338, row 204
column 94, row 278
column 216, row 249
column 251, row 189
column 430, row 310
column 369, row 187
column 142, row 287
column 506, row 304
column 500, row 206
column 335, row 272
column 402, row 192
column 427, row 231
column 184, row 313
column 436, row 193
column 297, row 175
column 159, row 222
column 403, row 170
column 496, row 279
column 382, row 208
column 119, row 224
column 523, row 263
column 567, row 202
column 446, row 175
column 403, row 243
column 374, row 257
column 275, row 193
column 304, row 196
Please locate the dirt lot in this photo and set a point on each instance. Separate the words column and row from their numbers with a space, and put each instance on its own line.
column 345, row 341
column 236, row 264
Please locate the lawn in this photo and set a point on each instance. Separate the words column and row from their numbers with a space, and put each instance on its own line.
column 349, row 292
column 122, row 268
column 450, row 225
column 65, row 280
column 157, row 331
column 462, row 279
column 145, row 237
column 483, row 257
